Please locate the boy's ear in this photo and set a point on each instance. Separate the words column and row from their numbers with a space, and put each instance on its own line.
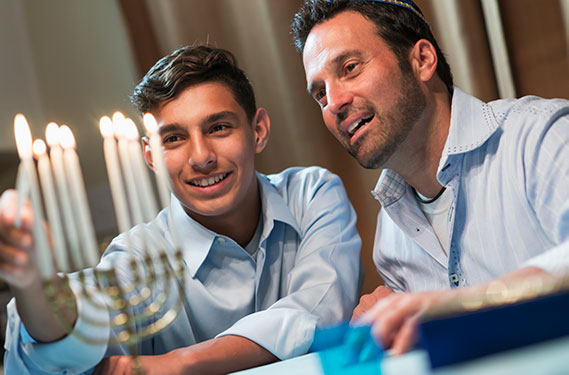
column 147, row 153
column 261, row 129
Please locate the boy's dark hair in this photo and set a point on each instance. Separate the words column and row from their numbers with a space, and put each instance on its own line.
column 399, row 26
column 192, row 65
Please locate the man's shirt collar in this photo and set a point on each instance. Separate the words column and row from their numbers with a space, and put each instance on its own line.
column 472, row 123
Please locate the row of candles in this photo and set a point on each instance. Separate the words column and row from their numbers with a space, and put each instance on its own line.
column 62, row 181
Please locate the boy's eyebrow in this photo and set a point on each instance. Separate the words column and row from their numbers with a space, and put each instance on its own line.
column 219, row 116
column 207, row 120
column 167, row 128
column 338, row 60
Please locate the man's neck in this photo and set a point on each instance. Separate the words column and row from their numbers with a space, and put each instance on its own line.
column 422, row 150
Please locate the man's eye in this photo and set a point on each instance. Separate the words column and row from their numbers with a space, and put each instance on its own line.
column 350, row 67
column 320, row 95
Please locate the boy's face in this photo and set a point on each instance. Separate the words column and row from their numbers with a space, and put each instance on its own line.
column 209, row 147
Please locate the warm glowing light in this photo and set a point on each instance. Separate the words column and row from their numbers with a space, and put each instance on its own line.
column 118, row 120
column 23, row 136
column 150, row 123
column 52, row 134
column 39, row 147
column 106, row 126
column 130, row 130
column 66, row 137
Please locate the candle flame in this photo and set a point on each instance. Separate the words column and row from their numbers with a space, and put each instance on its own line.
column 52, row 134
column 23, row 136
column 106, row 126
column 130, row 130
column 39, row 147
column 150, row 123
column 118, row 120
column 66, row 136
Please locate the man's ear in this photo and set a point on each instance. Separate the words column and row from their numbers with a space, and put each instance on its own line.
column 261, row 129
column 424, row 61
column 147, row 152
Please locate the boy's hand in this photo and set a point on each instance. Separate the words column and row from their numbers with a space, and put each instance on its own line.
column 17, row 257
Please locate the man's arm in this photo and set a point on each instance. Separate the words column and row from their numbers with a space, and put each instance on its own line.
column 394, row 318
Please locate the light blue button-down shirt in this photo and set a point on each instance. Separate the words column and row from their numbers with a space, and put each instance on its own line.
column 307, row 274
column 507, row 166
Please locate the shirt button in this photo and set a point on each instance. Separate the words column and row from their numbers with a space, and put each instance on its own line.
column 220, row 239
column 454, row 279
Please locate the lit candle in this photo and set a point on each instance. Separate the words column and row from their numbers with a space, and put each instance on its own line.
column 79, row 196
column 158, row 163
column 56, row 156
column 128, row 170
column 24, row 145
column 160, row 171
column 23, row 189
column 54, row 218
column 149, row 206
column 114, row 174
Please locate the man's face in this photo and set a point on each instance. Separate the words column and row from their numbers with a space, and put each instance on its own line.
column 367, row 102
column 209, row 147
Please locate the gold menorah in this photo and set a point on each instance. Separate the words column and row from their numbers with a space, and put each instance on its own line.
column 145, row 295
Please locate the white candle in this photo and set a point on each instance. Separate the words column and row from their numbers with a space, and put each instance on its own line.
column 128, row 170
column 56, row 156
column 148, row 203
column 159, row 165
column 23, row 189
column 114, row 174
column 160, row 170
column 50, row 199
column 24, row 145
column 79, row 196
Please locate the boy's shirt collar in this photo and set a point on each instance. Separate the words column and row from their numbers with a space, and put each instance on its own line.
column 197, row 241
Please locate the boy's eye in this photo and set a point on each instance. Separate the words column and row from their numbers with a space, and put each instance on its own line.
column 218, row 128
column 171, row 139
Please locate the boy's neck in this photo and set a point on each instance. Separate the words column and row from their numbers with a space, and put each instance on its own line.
column 240, row 224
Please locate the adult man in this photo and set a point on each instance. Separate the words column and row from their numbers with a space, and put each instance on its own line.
column 471, row 191
column 268, row 258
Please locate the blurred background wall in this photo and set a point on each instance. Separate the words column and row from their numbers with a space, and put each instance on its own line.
column 72, row 61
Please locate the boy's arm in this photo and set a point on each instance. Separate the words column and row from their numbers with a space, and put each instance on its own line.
column 216, row 356
column 19, row 269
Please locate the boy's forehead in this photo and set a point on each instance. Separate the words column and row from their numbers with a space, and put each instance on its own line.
column 198, row 102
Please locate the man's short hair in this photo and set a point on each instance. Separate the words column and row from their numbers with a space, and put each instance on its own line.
column 398, row 26
column 188, row 66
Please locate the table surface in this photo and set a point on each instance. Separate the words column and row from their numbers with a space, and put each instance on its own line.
column 549, row 358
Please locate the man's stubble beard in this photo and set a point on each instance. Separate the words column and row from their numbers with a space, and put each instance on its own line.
column 392, row 128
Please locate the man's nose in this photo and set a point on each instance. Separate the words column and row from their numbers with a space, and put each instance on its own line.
column 338, row 97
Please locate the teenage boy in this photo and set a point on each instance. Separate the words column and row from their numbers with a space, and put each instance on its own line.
column 267, row 258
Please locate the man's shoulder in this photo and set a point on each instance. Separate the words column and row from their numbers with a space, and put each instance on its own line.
column 529, row 109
